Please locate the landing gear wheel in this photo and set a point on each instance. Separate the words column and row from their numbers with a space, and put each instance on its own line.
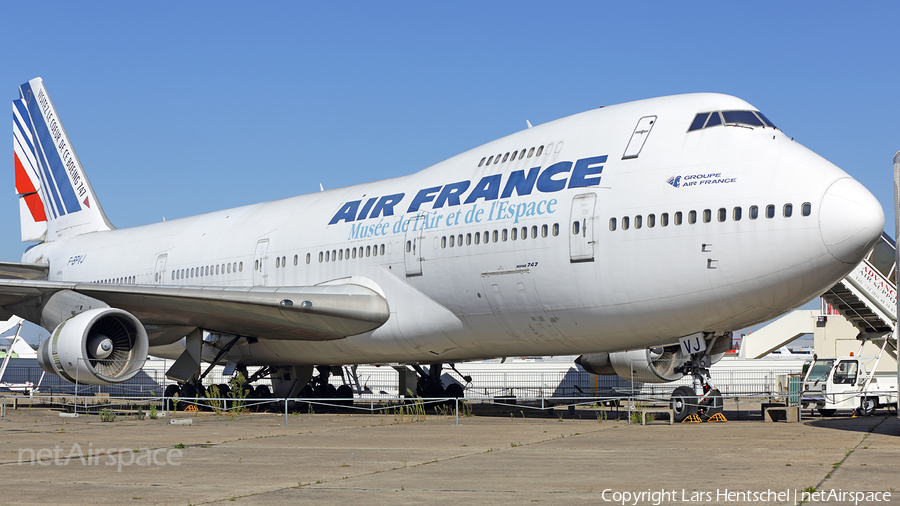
column 455, row 391
column 713, row 406
column 170, row 391
column 345, row 394
column 867, row 406
column 684, row 403
column 827, row 412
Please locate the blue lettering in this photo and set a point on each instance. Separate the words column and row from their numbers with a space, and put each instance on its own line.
column 365, row 209
column 521, row 183
column 450, row 194
column 586, row 167
column 346, row 213
column 385, row 205
column 426, row 195
column 547, row 184
column 488, row 189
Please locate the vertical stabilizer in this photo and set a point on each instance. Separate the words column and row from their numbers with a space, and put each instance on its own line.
column 55, row 197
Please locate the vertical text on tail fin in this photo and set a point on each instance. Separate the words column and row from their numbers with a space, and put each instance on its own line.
column 55, row 198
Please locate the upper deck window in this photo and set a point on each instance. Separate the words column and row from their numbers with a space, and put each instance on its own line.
column 715, row 118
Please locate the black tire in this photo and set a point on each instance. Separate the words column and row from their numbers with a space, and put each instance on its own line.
column 827, row 412
column 170, row 392
column 867, row 407
column 684, row 403
column 714, row 405
column 262, row 392
column 455, row 390
column 345, row 394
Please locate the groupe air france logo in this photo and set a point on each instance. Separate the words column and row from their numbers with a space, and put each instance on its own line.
column 674, row 181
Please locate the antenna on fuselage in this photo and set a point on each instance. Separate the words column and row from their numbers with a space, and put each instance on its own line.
column 528, row 123
column 321, row 188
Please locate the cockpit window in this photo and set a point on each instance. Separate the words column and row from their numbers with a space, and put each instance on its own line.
column 715, row 118
column 742, row 117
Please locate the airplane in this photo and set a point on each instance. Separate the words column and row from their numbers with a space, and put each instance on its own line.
column 638, row 235
column 18, row 347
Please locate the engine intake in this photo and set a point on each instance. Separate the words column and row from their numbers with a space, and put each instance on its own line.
column 653, row 365
column 100, row 346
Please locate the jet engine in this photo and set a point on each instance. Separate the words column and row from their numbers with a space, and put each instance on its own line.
column 100, row 346
column 653, row 365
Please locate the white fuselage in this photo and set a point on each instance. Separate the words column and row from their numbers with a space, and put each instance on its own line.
column 563, row 290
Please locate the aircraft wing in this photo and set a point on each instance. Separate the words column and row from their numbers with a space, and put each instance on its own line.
column 17, row 270
column 307, row 313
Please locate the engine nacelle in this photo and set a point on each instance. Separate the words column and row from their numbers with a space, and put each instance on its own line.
column 100, row 346
column 654, row 365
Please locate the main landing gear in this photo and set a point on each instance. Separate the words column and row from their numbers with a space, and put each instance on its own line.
column 430, row 382
column 703, row 399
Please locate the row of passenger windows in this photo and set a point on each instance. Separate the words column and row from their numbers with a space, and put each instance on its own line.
column 125, row 279
column 348, row 253
column 707, row 216
column 208, row 270
column 716, row 118
column 500, row 158
column 496, row 236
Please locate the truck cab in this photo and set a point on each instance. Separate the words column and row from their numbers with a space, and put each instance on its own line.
column 843, row 383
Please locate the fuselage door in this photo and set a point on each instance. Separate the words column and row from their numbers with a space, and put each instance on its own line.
column 260, row 260
column 639, row 137
column 412, row 249
column 582, row 243
column 159, row 274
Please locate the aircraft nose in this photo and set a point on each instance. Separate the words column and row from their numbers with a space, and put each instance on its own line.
column 850, row 220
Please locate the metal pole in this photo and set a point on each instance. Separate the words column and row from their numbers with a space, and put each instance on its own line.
column 896, row 236
column 285, row 411
column 457, row 409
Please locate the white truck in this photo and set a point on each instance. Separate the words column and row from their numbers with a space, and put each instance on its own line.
column 848, row 383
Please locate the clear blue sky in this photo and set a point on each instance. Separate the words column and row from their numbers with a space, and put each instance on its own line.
column 179, row 108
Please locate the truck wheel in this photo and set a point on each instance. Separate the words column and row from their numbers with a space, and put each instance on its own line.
column 867, row 406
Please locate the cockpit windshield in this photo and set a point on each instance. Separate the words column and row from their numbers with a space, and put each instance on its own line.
column 716, row 118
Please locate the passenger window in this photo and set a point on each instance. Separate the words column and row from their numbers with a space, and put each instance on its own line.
column 307, row 258
column 651, row 220
column 477, row 237
column 340, row 254
column 327, row 257
column 664, row 219
column 539, row 151
column 521, row 154
column 524, row 233
column 723, row 214
column 544, row 230
column 534, row 231
column 638, row 221
column 612, row 224
column 468, row 239
column 625, row 223
column 788, row 210
column 513, row 157
column 515, row 232
column 736, row 214
column 408, row 246
column 576, row 227
column 459, row 240
column 481, row 163
column 277, row 261
column 678, row 218
column 346, row 254
column 555, row 229
column 353, row 252
column 295, row 259
column 489, row 160
column 504, row 235
column 241, row 266
column 530, row 152
column 444, row 241
column 506, row 156
column 707, row 216
column 382, row 249
column 496, row 159
column 692, row 217
column 496, row 235
column 754, row 212
column 770, row 211
column 806, row 209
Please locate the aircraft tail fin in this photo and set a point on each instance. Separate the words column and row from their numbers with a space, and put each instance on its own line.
column 55, row 197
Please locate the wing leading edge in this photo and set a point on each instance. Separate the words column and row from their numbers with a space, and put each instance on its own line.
column 305, row 313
